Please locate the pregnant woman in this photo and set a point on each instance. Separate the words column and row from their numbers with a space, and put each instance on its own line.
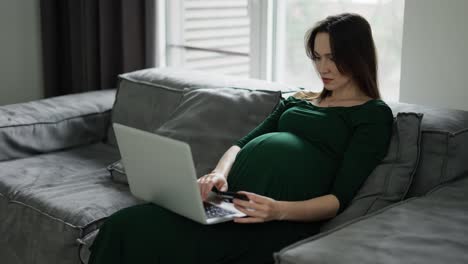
column 302, row 165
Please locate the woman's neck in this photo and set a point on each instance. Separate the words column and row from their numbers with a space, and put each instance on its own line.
column 348, row 92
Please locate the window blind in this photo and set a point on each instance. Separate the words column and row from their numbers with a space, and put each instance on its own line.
column 215, row 36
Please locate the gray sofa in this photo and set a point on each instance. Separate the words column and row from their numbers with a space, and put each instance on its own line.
column 56, row 189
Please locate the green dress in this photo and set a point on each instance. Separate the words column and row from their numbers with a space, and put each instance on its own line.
column 300, row 151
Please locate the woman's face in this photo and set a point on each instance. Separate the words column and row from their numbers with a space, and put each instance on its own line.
column 324, row 63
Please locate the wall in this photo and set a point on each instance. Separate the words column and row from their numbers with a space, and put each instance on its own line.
column 434, row 67
column 20, row 51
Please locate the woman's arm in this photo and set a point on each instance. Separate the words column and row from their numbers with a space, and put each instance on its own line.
column 219, row 174
column 315, row 209
column 262, row 209
column 225, row 163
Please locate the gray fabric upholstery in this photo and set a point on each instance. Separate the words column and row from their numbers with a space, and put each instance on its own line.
column 390, row 180
column 49, row 201
column 435, row 118
column 157, row 91
column 439, row 129
column 428, row 229
column 142, row 106
column 434, row 149
column 178, row 78
column 52, row 124
column 52, row 204
column 145, row 99
column 212, row 120
column 85, row 244
column 457, row 156
column 444, row 159
column 164, row 97
column 117, row 172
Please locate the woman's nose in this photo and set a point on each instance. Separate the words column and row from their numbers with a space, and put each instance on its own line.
column 323, row 66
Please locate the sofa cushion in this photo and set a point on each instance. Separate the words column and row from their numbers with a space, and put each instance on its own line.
column 146, row 98
column 143, row 106
column 439, row 129
column 457, row 156
column 211, row 120
column 428, row 229
column 117, row 171
column 53, row 124
column 180, row 78
column 85, row 244
column 49, row 201
column 390, row 180
column 443, row 158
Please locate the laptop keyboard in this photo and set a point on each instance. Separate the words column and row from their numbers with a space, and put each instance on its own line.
column 215, row 211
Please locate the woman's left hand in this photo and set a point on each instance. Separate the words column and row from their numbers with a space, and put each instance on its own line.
column 258, row 209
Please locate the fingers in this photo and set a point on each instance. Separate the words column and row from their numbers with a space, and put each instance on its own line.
column 207, row 185
column 207, row 182
column 255, row 201
column 202, row 184
column 258, row 208
column 222, row 186
column 252, row 212
column 250, row 208
column 255, row 197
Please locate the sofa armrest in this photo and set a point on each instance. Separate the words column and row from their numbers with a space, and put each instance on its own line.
column 426, row 229
column 55, row 123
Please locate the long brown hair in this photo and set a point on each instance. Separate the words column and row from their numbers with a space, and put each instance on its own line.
column 353, row 50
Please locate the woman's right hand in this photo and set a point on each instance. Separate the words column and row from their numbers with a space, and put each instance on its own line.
column 210, row 180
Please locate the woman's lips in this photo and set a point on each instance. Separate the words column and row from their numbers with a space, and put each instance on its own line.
column 326, row 80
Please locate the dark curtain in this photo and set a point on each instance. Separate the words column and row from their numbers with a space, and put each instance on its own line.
column 87, row 43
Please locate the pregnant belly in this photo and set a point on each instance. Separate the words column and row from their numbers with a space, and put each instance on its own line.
column 283, row 166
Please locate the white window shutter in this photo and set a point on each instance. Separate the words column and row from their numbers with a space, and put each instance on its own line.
column 210, row 35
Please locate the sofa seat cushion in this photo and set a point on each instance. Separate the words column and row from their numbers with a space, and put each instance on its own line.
column 428, row 229
column 49, row 201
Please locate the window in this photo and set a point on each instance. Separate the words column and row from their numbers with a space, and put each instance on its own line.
column 297, row 16
column 211, row 35
column 265, row 38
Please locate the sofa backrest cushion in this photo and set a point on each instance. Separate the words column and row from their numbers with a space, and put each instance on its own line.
column 443, row 157
column 146, row 98
column 142, row 106
column 390, row 180
column 457, row 157
column 179, row 78
column 212, row 120
column 53, row 124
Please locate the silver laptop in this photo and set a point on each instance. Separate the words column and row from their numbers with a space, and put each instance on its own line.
column 161, row 170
